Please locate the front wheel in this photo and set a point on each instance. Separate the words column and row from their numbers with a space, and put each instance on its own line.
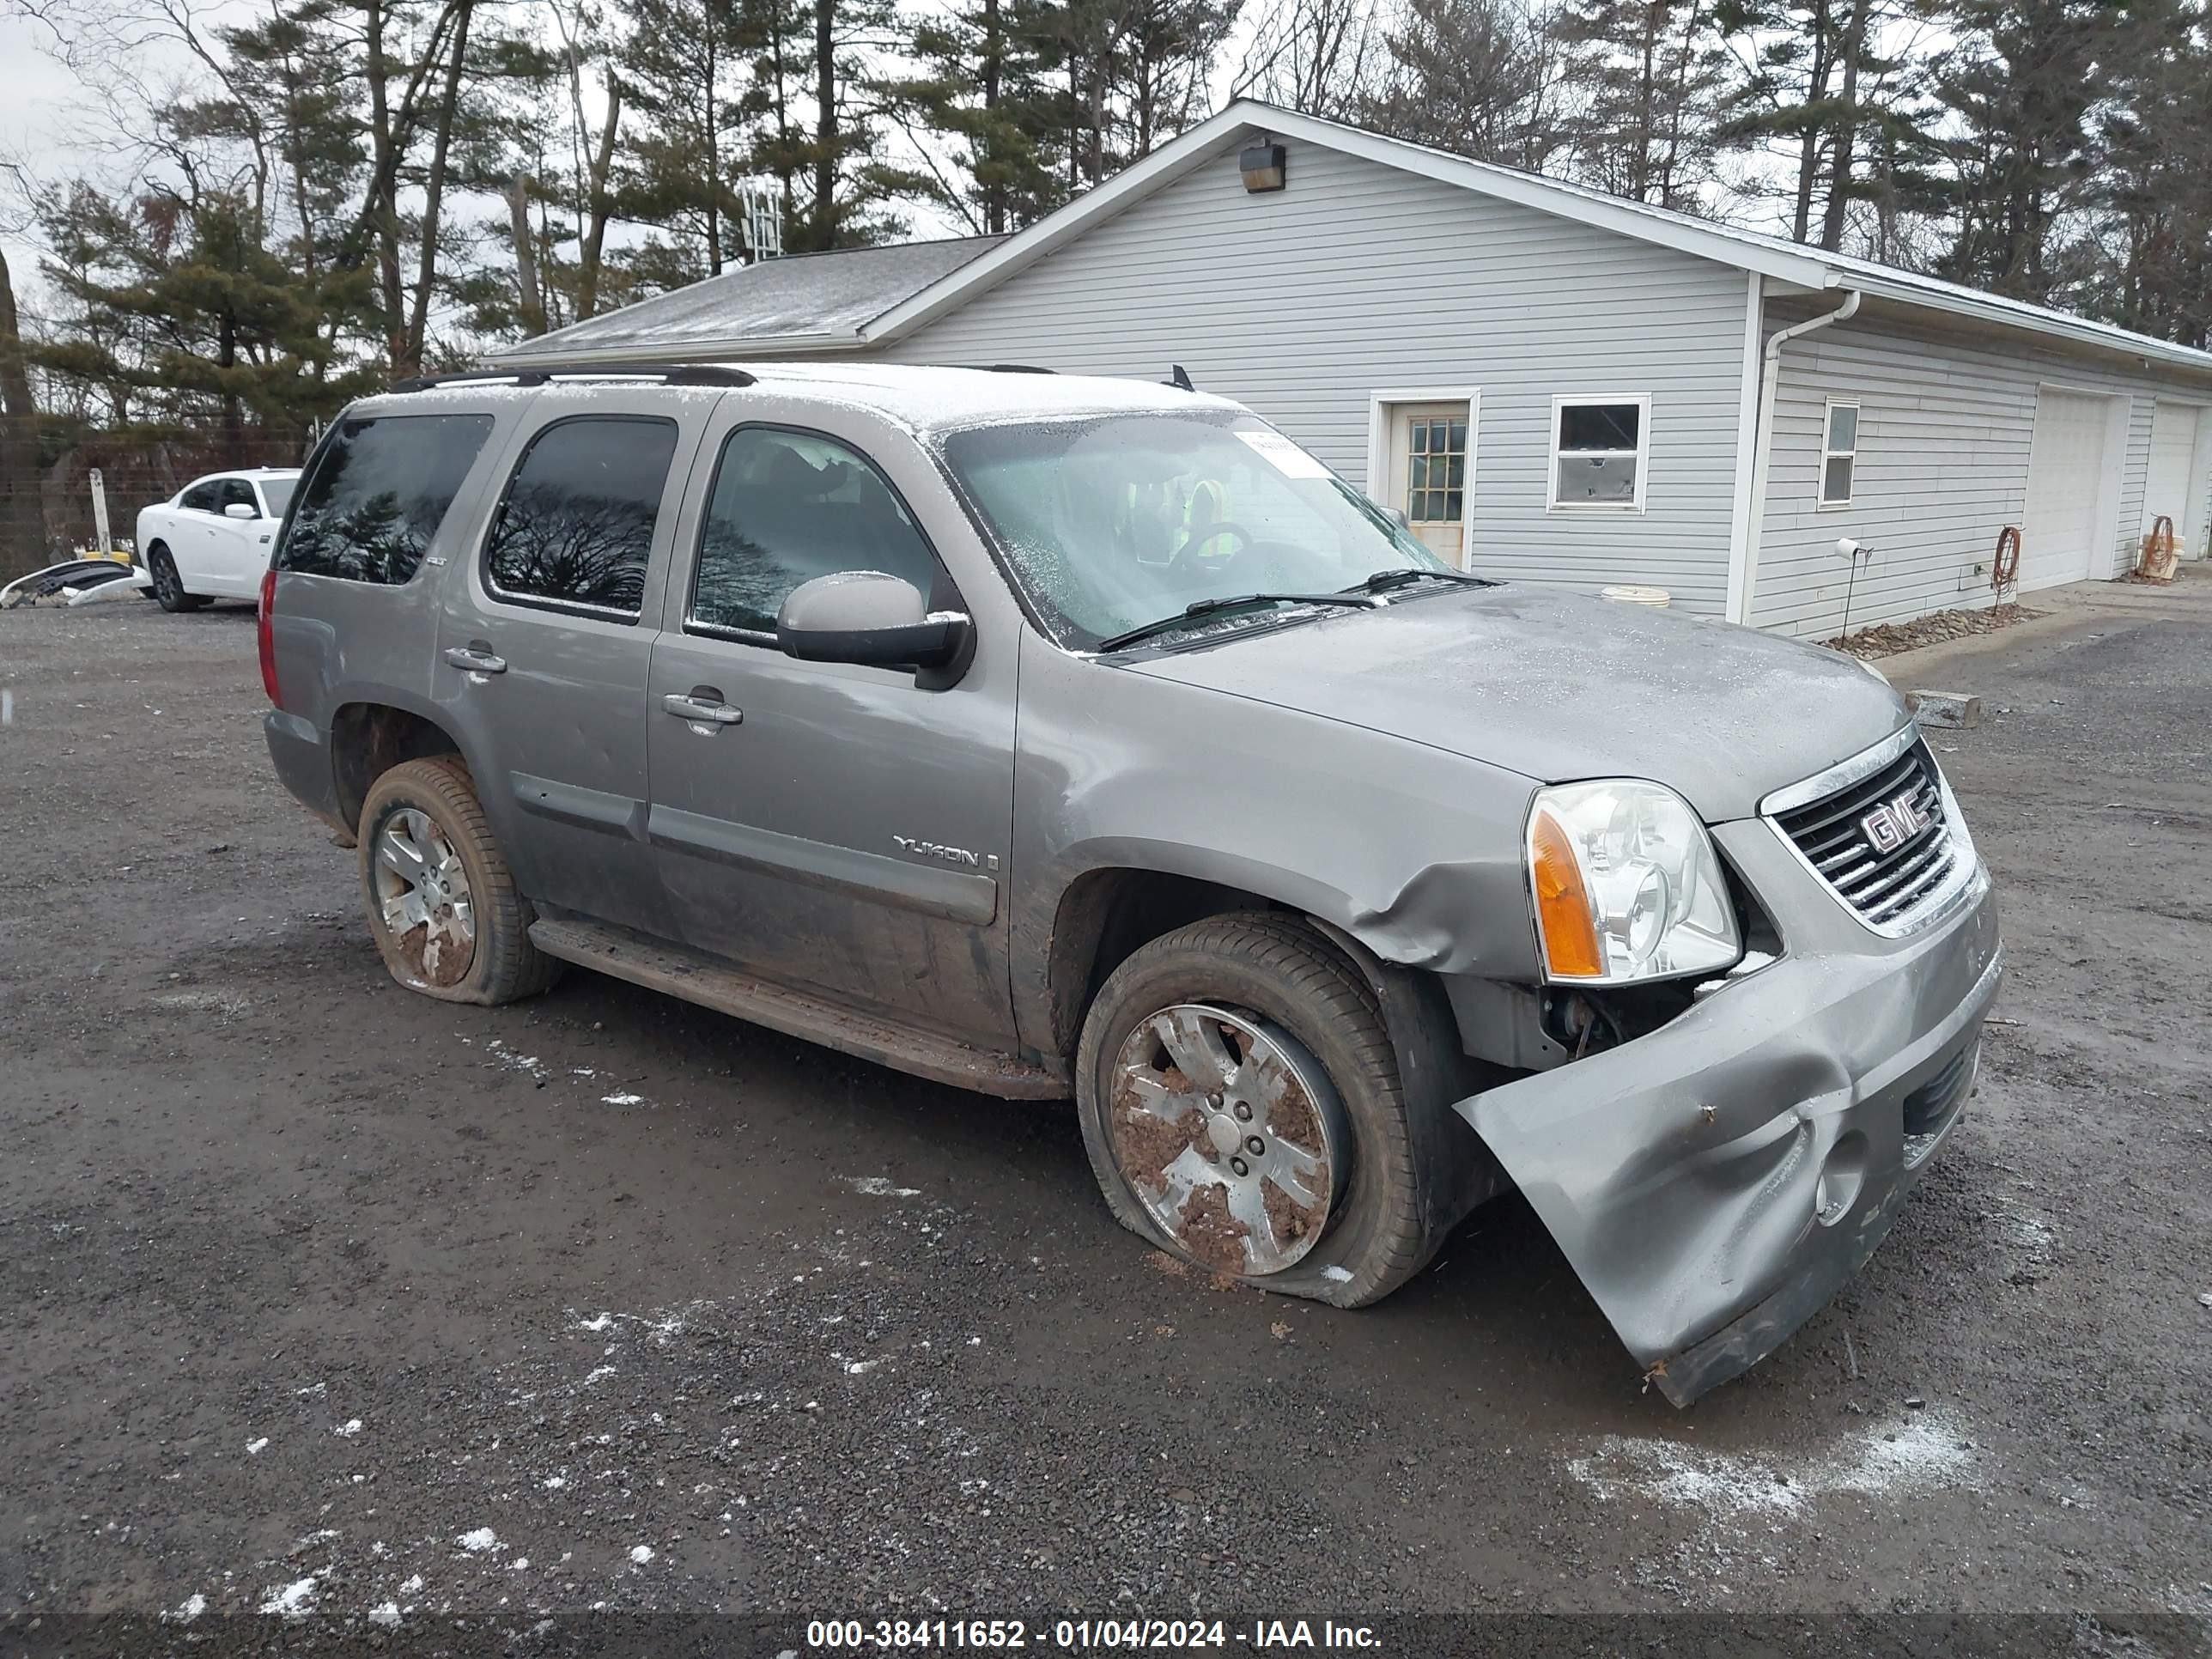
column 1241, row 1105
column 441, row 902
column 168, row 587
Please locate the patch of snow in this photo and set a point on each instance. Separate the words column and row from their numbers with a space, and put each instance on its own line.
column 385, row 1615
column 413, row 1586
column 593, row 1377
column 188, row 1609
column 477, row 1542
column 1336, row 1275
column 294, row 1601
column 877, row 1186
column 599, row 1324
column 554, row 1482
column 347, row 1430
column 642, row 1554
column 624, row 1098
column 860, row 1367
column 1917, row 1454
column 520, row 1563
column 255, row 1448
column 529, row 1065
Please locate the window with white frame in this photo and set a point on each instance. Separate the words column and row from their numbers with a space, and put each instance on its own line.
column 1840, row 452
column 1599, row 448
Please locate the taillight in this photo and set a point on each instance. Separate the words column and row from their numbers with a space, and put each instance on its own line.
column 266, row 630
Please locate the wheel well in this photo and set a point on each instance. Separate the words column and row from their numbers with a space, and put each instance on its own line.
column 1105, row 916
column 367, row 739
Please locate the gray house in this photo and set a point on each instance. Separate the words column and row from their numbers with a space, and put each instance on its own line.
column 1554, row 384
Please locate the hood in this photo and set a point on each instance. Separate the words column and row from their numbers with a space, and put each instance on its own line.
column 1558, row 686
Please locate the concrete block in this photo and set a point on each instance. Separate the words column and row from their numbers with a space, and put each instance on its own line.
column 1944, row 707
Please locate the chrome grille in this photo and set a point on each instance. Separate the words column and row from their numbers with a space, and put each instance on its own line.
column 1886, row 889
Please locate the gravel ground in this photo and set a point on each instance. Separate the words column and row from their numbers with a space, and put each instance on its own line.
column 335, row 1304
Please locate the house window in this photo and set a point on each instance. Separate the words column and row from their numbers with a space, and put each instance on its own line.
column 1839, row 453
column 1599, row 445
column 1435, row 471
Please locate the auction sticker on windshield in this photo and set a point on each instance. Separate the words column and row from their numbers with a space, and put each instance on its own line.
column 1284, row 456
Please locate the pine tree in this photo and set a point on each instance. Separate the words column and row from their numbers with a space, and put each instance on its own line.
column 2020, row 82
column 815, row 117
column 982, row 114
column 1477, row 78
column 1814, row 86
column 677, row 65
column 1647, row 76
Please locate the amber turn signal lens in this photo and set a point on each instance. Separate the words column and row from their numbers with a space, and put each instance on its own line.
column 1563, row 908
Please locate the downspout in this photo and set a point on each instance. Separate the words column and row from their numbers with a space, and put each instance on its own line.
column 1770, row 375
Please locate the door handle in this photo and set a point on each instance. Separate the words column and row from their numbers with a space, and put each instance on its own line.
column 476, row 657
column 703, row 706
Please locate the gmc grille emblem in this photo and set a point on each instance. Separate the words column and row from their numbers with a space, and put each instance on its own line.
column 1895, row 822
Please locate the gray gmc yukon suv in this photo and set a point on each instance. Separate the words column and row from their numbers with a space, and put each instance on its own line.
column 1061, row 736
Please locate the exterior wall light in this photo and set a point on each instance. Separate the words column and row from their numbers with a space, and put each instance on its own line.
column 1262, row 165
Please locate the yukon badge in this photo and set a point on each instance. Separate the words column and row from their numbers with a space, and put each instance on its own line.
column 1895, row 822
column 932, row 849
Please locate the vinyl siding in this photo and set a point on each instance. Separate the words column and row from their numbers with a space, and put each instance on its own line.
column 1946, row 421
column 1358, row 278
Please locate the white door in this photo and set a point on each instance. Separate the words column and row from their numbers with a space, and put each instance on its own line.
column 2060, row 541
column 195, row 544
column 242, row 544
column 1432, row 474
column 2173, row 451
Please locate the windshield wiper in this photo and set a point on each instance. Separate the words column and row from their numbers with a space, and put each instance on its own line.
column 1198, row 609
column 1383, row 581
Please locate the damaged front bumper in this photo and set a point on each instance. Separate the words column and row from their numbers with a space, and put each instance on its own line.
column 1716, row 1181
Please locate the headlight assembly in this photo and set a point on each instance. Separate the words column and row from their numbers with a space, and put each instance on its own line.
column 1627, row 885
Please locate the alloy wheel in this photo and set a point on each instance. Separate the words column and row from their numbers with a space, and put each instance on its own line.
column 1231, row 1135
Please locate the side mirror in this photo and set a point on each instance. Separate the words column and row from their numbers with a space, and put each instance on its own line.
column 239, row 510
column 876, row 620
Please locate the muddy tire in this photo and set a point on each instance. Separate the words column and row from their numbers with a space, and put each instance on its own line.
column 442, row 905
column 1239, row 1068
column 168, row 587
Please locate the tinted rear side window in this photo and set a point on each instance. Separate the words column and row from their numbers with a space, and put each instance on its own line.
column 378, row 494
column 576, row 527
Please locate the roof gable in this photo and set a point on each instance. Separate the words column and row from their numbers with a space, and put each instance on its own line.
column 1774, row 257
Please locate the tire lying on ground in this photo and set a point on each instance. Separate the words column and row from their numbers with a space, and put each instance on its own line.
column 1241, row 1104
column 442, row 905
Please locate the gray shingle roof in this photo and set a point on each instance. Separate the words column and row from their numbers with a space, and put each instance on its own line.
column 804, row 296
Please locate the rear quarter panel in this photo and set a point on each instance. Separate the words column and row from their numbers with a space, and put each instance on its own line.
column 339, row 642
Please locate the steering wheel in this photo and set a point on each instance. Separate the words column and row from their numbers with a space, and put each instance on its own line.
column 1188, row 554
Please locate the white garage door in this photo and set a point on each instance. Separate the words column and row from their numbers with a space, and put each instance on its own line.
column 2065, row 491
column 2173, row 449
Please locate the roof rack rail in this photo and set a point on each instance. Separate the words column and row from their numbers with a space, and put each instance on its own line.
column 1011, row 368
column 668, row 373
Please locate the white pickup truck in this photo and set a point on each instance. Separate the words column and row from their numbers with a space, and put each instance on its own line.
column 212, row 540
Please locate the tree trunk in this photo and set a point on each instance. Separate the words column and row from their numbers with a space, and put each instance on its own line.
column 532, row 310
column 994, row 193
column 234, row 413
column 433, row 189
column 23, row 510
column 1834, row 221
column 590, row 254
column 826, row 124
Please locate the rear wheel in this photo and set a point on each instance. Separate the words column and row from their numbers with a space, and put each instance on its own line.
column 168, row 587
column 1241, row 1104
column 442, row 905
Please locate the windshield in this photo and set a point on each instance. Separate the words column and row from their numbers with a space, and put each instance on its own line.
column 1112, row 522
column 277, row 492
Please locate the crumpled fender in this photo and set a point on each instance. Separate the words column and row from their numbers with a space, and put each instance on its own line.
column 1737, row 1166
